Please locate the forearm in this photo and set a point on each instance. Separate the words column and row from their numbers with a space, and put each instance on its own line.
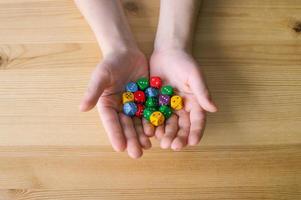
column 176, row 24
column 109, row 24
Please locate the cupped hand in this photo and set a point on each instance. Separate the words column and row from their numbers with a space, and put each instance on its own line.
column 106, row 85
column 180, row 70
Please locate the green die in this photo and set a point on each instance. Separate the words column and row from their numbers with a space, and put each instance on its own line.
column 167, row 90
column 166, row 110
column 151, row 102
column 148, row 112
column 143, row 83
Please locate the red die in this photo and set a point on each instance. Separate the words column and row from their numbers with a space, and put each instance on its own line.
column 140, row 109
column 139, row 96
column 156, row 82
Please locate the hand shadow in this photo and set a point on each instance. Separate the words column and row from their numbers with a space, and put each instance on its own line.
column 227, row 83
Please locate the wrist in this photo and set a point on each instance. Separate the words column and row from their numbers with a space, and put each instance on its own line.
column 124, row 52
column 117, row 38
column 118, row 46
column 170, row 48
column 172, row 44
column 176, row 25
column 171, row 35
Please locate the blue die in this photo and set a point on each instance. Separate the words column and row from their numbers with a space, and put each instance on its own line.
column 130, row 109
column 131, row 87
column 151, row 92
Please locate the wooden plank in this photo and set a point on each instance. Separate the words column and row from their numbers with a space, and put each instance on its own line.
column 250, row 53
column 206, row 193
column 97, row 167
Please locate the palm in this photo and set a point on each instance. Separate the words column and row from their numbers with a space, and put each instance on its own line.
column 181, row 71
column 121, row 69
column 107, row 83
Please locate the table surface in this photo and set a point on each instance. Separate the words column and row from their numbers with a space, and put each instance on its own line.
column 251, row 54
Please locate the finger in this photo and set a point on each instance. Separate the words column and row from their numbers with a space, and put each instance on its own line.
column 184, row 124
column 198, row 87
column 171, row 128
column 98, row 82
column 112, row 126
column 133, row 147
column 159, row 132
column 198, row 121
column 148, row 128
column 143, row 139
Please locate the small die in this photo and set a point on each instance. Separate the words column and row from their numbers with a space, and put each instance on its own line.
column 151, row 102
column 176, row 102
column 151, row 92
column 156, row 82
column 166, row 110
column 130, row 109
column 167, row 89
column 139, row 97
column 127, row 97
column 164, row 99
column 131, row 87
column 140, row 109
column 142, row 83
column 157, row 118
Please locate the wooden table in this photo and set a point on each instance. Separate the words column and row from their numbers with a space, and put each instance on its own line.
column 251, row 54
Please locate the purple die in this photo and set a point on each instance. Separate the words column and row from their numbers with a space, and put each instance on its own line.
column 164, row 99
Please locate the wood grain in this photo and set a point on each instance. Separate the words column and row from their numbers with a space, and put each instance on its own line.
column 250, row 52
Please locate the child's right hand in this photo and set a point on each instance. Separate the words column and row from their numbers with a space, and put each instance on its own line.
column 106, row 84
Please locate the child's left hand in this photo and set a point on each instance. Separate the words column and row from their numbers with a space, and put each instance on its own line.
column 179, row 69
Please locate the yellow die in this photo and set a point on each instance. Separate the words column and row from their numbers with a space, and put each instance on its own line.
column 127, row 97
column 176, row 102
column 157, row 118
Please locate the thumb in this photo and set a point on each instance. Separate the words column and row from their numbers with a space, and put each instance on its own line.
column 199, row 88
column 99, row 81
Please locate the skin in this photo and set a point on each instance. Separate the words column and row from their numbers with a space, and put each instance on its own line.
column 172, row 53
column 123, row 62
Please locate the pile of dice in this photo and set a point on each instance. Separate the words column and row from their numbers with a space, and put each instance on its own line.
column 151, row 100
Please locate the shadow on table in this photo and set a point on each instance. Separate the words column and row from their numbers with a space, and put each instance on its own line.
column 223, row 69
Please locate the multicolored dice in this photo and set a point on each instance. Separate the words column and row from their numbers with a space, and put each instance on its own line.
column 176, row 102
column 164, row 99
column 127, row 97
column 140, row 109
column 166, row 110
column 157, row 118
column 130, row 109
column 139, row 97
column 151, row 92
column 155, row 82
column 167, row 89
column 151, row 102
column 131, row 87
column 142, row 83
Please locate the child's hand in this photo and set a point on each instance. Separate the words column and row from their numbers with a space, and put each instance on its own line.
column 107, row 83
column 180, row 70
